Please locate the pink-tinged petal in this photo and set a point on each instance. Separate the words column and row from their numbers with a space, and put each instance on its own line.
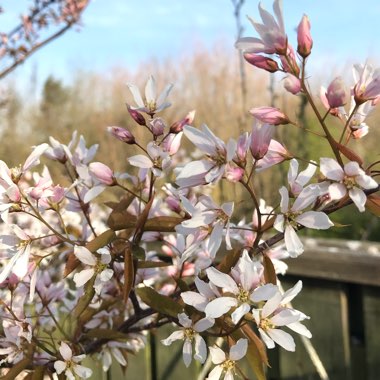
column 279, row 223
column 195, row 299
column 289, row 295
column 194, row 169
column 239, row 350
column 293, row 170
column 366, row 182
column 140, row 161
column 331, row 169
column 65, row 351
column 283, row 339
column 352, row 168
column 83, row 277
column 284, row 204
column 358, row 197
column 34, row 157
column 59, row 366
column 305, row 176
column 187, row 352
column 300, row 329
column 21, row 234
column 215, row 373
column 284, row 317
column 337, row 191
column 184, row 320
column 271, row 305
column 292, row 242
column 239, row 313
column 200, row 349
column 220, row 306
column 204, row 324
column 93, row 193
column 176, row 335
column 315, row 219
column 84, row 255
column 215, row 174
column 200, row 140
column 267, row 340
column 136, row 95
column 217, row 355
column 222, row 280
column 264, row 293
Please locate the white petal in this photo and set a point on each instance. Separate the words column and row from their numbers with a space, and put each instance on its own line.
column 358, row 197
column 239, row 350
column 200, row 140
column 222, row 280
column 187, row 352
column 200, row 349
column 215, row 373
column 83, row 276
column 150, row 90
column 176, row 335
column 284, row 204
column 34, row 157
column 84, row 255
column 315, row 219
column 20, row 268
column 293, row 170
column 271, row 305
column 264, row 293
column 337, row 191
column 59, row 366
column 204, row 324
column 217, row 355
column 136, row 94
column 352, row 168
column 140, row 161
column 284, row 317
column 82, row 372
column 184, row 320
column 291, row 293
column 65, row 351
column 306, row 197
column 195, row 299
column 106, row 275
column 239, row 313
column 215, row 239
column 93, row 193
column 366, row 182
column 300, row 329
column 331, row 169
column 293, row 244
column 267, row 340
column 283, row 339
column 279, row 223
column 219, row 306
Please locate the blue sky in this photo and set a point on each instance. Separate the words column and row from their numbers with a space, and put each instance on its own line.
column 126, row 32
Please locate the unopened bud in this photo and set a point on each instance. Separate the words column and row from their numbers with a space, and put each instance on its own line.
column 177, row 126
column 269, row 115
column 305, row 42
column 136, row 116
column 292, row 84
column 336, row 93
column 157, row 126
column 261, row 137
column 122, row 134
column 265, row 63
column 102, row 173
column 234, row 174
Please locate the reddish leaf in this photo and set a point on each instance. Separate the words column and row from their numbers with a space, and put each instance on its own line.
column 269, row 271
column 229, row 260
column 373, row 204
column 348, row 153
column 129, row 272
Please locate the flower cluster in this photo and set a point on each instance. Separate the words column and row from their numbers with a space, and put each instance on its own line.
column 78, row 279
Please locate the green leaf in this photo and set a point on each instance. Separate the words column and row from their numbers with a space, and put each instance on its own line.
column 86, row 299
column 162, row 304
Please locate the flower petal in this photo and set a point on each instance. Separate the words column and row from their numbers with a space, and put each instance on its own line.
column 222, row 280
column 239, row 350
column 219, row 306
column 358, row 197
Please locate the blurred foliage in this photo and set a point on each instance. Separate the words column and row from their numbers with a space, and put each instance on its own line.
column 207, row 81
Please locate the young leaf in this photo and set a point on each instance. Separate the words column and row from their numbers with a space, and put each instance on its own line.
column 129, row 272
column 269, row 271
column 162, row 304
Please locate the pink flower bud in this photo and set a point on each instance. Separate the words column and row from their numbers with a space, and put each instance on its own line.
column 260, row 139
column 157, row 126
column 305, row 42
column 336, row 93
column 269, row 115
column 262, row 62
column 136, row 116
column 178, row 125
column 242, row 147
column 102, row 173
column 233, row 174
column 292, row 84
column 122, row 134
column 289, row 62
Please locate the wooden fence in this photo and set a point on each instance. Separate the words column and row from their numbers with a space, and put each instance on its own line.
column 341, row 294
